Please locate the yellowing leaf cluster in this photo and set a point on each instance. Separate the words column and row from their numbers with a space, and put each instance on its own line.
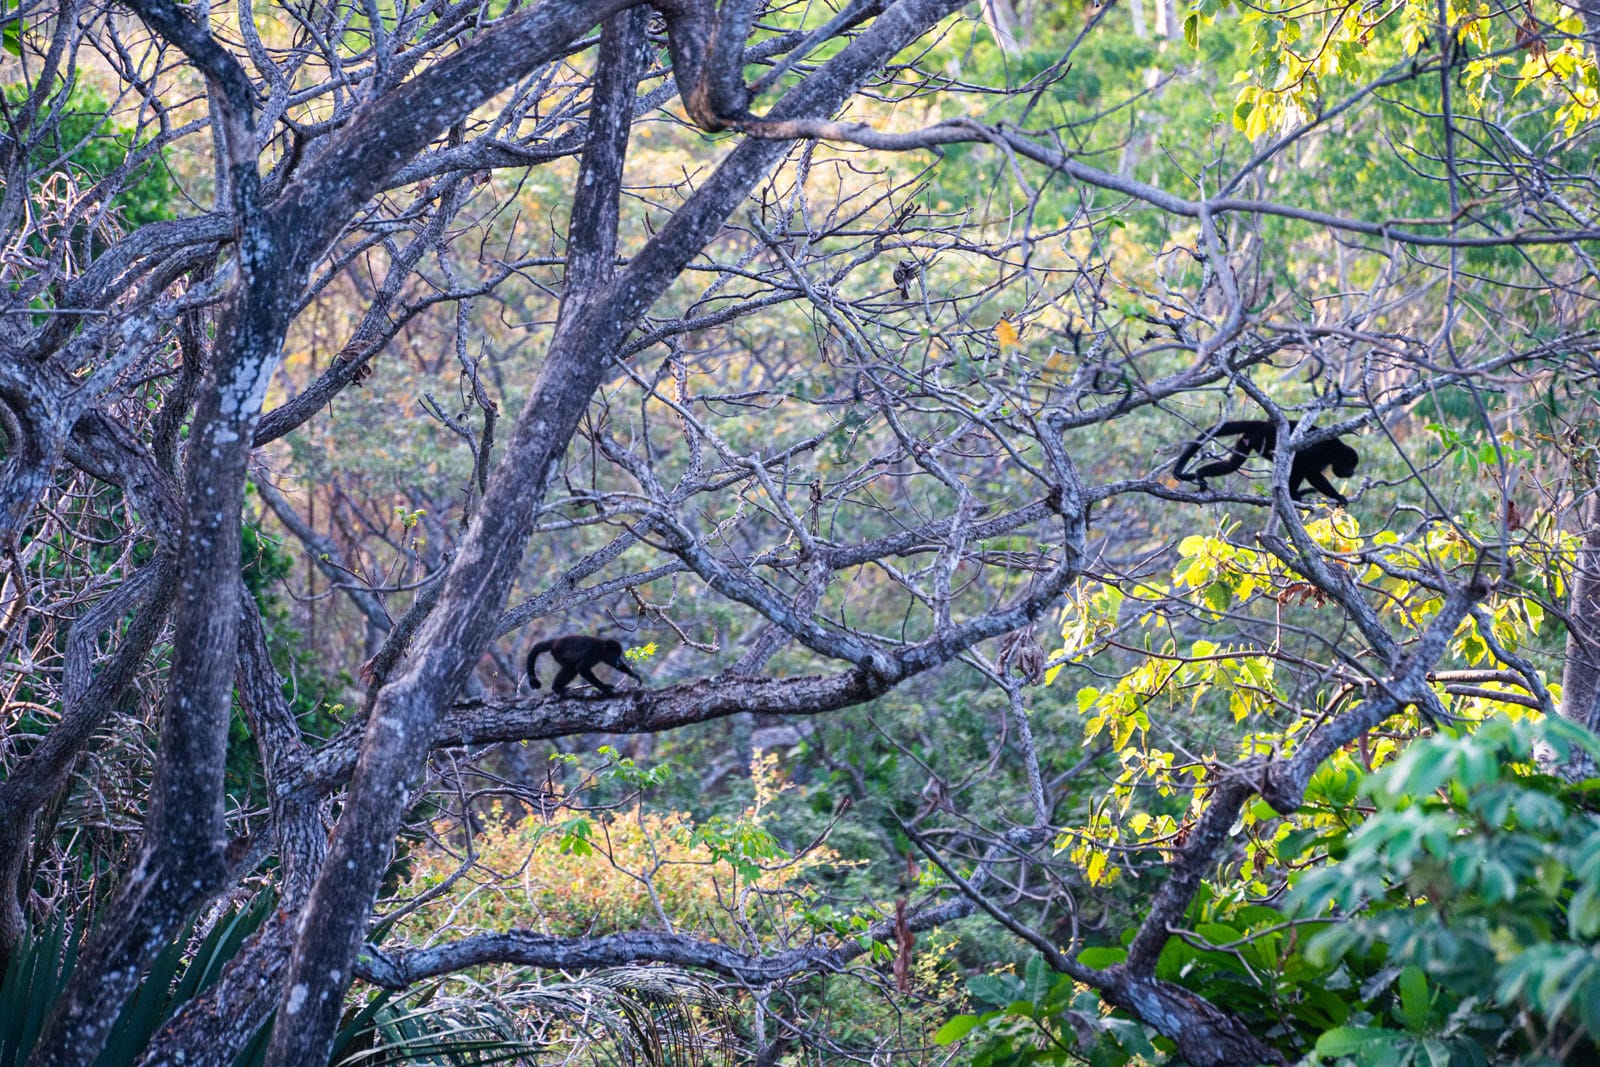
column 1296, row 51
column 596, row 872
column 1213, row 578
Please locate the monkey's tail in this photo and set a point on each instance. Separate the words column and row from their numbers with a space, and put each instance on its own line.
column 533, row 654
column 1180, row 470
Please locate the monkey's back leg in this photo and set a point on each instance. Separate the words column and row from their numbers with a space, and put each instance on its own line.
column 563, row 679
column 1232, row 462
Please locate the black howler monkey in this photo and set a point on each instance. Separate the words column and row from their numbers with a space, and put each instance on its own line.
column 579, row 654
column 1261, row 437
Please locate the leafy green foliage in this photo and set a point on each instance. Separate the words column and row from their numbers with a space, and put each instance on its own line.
column 38, row 972
column 11, row 34
column 1458, row 924
column 1301, row 57
column 263, row 565
column 1471, row 897
column 88, row 143
column 1254, row 688
column 1042, row 1018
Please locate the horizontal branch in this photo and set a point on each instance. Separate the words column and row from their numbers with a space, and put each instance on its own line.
column 964, row 130
column 399, row 968
column 629, row 711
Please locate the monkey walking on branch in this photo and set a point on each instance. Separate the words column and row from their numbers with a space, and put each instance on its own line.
column 579, row 654
column 1261, row 437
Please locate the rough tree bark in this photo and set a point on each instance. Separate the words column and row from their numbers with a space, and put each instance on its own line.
column 1580, row 676
column 278, row 229
column 181, row 859
column 334, row 921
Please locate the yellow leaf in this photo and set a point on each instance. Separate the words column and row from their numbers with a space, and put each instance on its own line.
column 1006, row 334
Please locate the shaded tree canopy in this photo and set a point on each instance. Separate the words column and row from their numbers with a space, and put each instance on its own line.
column 834, row 360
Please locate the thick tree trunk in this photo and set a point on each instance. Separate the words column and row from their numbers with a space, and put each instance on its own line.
column 402, row 721
column 210, row 1030
column 181, row 860
column 591, row 326
column 1206, row 1035
column 1580, row 678
column 1580, row 675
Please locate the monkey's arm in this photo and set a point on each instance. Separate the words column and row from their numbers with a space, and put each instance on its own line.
column 1319, row 482
column 590, row 677
column 621, row 664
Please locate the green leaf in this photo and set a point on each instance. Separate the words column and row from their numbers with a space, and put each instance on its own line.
column 1295, row 842
column 1038, row 980
column 1218, row 596
column 1321, row 1007
column 1191, row 30
column 1217, row 933
column 1350, row 1040
column 1589, row 1010
column 1414, row 997
column 1241, row 113
column 956, row 1029
column 1102, row 956
column 1438, row 1053
column 993, row 989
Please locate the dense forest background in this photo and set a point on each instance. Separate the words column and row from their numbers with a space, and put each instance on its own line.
column 836, row 360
